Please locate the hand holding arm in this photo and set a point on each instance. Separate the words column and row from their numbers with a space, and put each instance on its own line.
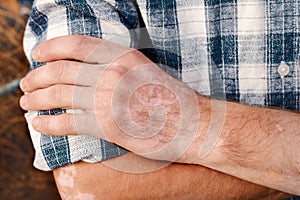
column 254, row 143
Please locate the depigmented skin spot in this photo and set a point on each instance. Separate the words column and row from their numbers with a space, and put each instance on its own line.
column 84, row 196
column 68, row 187
column 279, row 128
column 65, row 178
column 79, row 196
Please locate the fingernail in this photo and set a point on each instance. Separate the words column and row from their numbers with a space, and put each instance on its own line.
column 23, row 84
column 24, row 100
column 36, row 53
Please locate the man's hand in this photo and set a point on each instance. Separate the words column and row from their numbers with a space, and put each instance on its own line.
column 124, row 97
column 121, row 95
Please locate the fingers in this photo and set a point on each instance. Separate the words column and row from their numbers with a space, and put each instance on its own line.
column 67, row 124
column 61, row 72
column 59, row 96
column 82, row 48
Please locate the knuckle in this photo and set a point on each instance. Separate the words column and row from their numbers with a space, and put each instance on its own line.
column 60, row 69
column 81, row 43
column 125, row 62
column 129, row 54
column 134, row 53
column 57, row 93
column 57, row 125
column 54, row 70
column 47, row 73
column 45, row 124
column 54, row 125
column 66, row 125
column 133, row 58
column 84, row 46
column 119, row 72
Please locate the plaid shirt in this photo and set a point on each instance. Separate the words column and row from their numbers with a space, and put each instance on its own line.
column 245, row 51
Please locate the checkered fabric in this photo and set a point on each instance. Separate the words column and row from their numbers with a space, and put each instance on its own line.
column 229, row 49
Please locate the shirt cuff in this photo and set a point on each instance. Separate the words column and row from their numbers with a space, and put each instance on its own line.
column 56, row 151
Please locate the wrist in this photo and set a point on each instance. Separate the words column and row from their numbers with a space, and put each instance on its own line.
column 163, row 117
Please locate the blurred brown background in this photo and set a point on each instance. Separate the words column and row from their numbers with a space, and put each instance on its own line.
column 19, row 180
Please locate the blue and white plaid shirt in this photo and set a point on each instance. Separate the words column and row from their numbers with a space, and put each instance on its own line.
column 245, row 51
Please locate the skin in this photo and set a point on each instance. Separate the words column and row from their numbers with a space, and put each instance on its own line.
column 247, row 142
column 176, row 181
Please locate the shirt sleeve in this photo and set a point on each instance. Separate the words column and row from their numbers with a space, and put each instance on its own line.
column 110, row 20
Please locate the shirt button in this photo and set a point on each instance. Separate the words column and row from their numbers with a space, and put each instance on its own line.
column 283, row 69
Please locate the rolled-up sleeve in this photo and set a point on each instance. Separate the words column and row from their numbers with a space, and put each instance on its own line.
column 110, row 20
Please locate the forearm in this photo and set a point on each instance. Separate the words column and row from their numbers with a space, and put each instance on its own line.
column 252, row 143
column 177, row 181
column 255, row 144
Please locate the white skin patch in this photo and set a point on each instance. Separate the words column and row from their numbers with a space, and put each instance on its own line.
column 84, row 196
column 65, row 177
column 279, row 128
